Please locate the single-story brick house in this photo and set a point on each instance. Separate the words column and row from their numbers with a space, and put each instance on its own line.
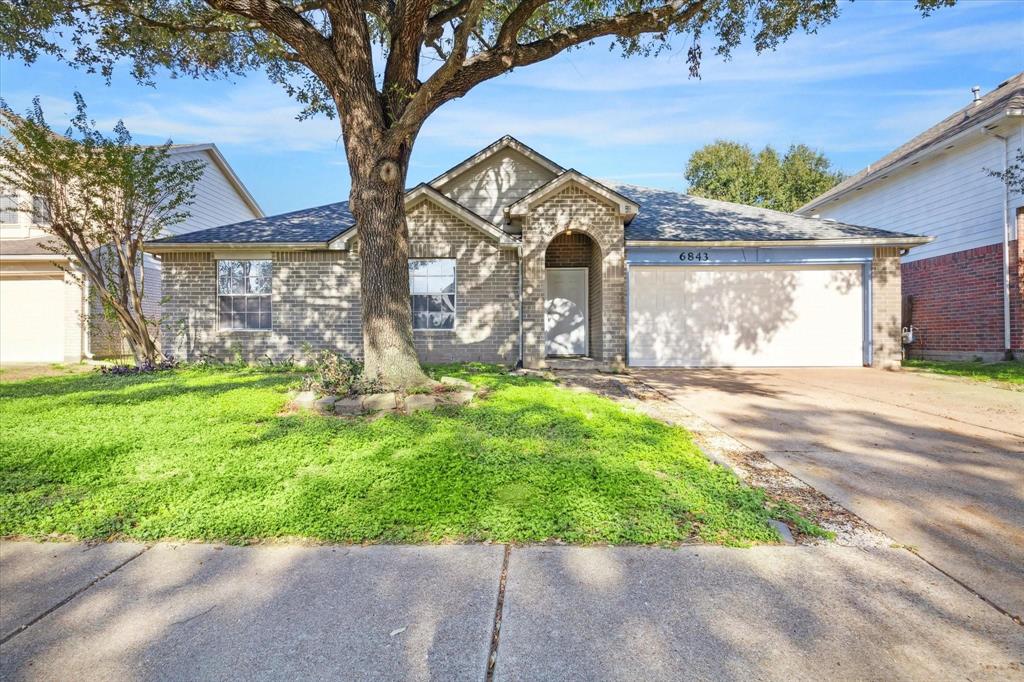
column 516, row 259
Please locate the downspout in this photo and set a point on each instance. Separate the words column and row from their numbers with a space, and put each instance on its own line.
column 520, row 364
column 1007, row 346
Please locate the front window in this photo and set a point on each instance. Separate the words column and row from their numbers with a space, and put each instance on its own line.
column 243, row 293
column 432, row 286
column 40, row 211
column 8, row 207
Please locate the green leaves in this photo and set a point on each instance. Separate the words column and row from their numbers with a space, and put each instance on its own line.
column 730, row 171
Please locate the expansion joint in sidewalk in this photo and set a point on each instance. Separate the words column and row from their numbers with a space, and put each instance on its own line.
column 21, row 628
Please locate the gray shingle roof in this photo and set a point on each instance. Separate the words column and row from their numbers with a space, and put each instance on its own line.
column 34, row 246
column 1008, row 95
column 674, row 216
column 663, row 216
column 309, row 225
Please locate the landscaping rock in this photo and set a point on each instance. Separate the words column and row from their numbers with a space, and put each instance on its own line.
column 305, row 400
column 349, row 405
column 457, row 383
column 326, row 404
column 415, row 403
column 459, row 397
column 380, row 402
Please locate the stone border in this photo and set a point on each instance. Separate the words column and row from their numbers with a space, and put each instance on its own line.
column 452, row 391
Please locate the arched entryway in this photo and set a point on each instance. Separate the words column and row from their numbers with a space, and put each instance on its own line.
column 572, row 296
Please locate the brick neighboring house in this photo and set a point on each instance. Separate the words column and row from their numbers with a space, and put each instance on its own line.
column 964, row 292
column 516, row 259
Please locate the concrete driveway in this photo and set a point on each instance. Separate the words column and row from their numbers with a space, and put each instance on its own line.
column 937, row 463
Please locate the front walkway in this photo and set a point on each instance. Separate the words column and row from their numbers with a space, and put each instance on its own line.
column 192, row 611
column 936, row 463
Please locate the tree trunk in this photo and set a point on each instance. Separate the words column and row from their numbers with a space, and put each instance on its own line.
column 377, row 202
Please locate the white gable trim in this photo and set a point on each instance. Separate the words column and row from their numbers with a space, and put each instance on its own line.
column 507, row 142
column 425, row 192
column 626, row 207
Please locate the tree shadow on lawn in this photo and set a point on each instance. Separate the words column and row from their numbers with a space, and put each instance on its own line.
column 508, row 469
column 63, row 392
column 530, row 462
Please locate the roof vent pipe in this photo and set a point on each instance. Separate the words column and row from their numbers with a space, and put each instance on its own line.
column 976, row 91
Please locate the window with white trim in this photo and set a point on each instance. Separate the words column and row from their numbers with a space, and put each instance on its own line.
column 9, row 207
column 432, row 290
column 243, row 294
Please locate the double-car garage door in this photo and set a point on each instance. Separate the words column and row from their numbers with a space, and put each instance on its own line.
column 746, row 316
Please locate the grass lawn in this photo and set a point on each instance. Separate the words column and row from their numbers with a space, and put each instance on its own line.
column 206, row 454
column 1005, row 372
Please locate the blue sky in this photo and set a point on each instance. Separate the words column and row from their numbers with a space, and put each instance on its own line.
column 865, row 84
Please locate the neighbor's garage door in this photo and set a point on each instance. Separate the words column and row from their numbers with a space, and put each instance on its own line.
column 32, row 319
column 746, row 316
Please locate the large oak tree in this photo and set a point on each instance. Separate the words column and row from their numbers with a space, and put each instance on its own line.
column 323, row 52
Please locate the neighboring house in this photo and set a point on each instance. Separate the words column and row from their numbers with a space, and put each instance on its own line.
column 43, row 310
column 515, row 258
column 964, row 292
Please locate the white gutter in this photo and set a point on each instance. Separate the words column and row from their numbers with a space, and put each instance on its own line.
column 154, row 248
column 878, row 241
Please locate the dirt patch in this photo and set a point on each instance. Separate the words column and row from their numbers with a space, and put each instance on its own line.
column 751, row 466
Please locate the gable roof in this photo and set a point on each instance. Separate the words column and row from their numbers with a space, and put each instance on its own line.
column 667, row 216
column 626, row 206
column 308, row 227
column 506, row 142
column 1006, row 99
column 324, row 227
column 425, row 192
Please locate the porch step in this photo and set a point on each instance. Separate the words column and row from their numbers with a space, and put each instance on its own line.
column 578, row 364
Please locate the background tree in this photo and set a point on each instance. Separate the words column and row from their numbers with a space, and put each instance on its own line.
column 1013, row 176
column 322, row 52
column 731, row 171
column 104, row 198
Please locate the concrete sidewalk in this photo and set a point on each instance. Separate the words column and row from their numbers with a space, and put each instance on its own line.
column 191, row 611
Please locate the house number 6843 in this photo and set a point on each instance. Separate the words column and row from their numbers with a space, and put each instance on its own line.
column 694, row 256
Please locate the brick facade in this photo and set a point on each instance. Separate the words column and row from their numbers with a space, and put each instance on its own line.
column 316, row 300
column 574, row 208
column 886, row 302
column 957, row 303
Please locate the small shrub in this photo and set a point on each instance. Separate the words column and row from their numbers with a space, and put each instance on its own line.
column 333, row 374
column 146, row 367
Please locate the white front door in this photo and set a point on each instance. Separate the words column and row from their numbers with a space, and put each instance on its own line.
column 565, row 311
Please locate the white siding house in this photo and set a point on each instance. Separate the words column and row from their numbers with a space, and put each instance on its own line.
column 964, row 288
column 41, row 307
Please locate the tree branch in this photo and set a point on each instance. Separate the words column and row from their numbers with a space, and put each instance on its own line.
column 459, row 75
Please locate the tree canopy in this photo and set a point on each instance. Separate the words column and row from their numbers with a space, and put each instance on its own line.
column 731, row 171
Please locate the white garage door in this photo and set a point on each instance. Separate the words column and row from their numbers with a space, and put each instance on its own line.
column 746, row 316
column 32, row 319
